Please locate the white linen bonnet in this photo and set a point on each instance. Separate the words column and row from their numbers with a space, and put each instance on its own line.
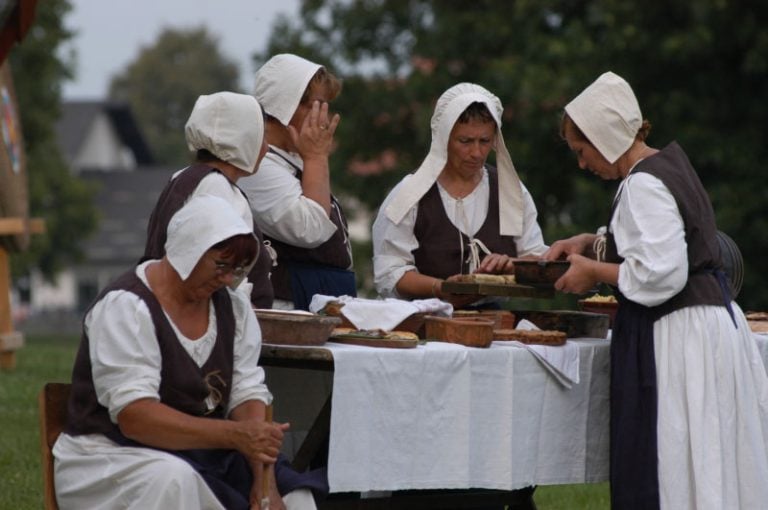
column 280, row 84
column 608, row 114
column 201, row 223
column 228, row 125
column 449, row 107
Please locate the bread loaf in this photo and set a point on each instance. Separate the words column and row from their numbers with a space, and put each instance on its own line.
column 495, row 279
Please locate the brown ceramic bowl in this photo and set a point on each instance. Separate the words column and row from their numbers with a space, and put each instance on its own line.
column 472, row 332
column 290, row 328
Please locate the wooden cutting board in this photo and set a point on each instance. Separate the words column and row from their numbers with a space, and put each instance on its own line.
column 375, row 341
column 534, row 337
column 495, row 289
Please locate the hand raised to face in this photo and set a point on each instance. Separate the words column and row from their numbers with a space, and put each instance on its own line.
column 315, row 138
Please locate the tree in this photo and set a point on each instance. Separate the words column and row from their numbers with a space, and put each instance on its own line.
column 699, row 69
column 164, row 81
column 62, row 200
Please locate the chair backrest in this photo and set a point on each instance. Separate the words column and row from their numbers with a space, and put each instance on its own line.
column 52, row 404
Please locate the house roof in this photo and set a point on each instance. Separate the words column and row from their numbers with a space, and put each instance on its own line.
column 77, row 117
column 124, row 201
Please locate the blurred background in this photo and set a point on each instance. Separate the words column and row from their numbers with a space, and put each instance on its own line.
column 101, row 144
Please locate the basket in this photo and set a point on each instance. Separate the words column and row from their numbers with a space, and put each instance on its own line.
column 733, row 262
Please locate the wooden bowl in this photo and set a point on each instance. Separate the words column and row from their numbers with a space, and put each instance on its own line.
column 472, row 332
column 502, row 319
column 292, row 328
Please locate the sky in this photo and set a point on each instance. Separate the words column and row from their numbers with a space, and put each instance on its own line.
column 110, row 34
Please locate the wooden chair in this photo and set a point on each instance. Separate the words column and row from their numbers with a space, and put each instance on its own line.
column 52, row 404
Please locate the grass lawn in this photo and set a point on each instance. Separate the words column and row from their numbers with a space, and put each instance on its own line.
column 41, row 360
column 46, row 359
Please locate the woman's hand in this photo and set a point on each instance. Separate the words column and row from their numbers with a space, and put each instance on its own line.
column 577, row 244
column 579, row 278
column 497, row 263
column 258, row 440
column 584, row 273
column 315, row 140
column 314, row 143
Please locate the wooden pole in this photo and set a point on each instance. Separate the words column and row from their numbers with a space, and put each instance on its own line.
column 9, row 341
column 265, row 472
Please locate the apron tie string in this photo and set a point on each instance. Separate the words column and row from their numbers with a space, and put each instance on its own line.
column 475, row 247
column 599, row 246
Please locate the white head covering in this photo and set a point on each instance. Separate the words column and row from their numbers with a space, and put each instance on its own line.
column 608, row 114
column 202, row 222
column 281, row 82
column 449, row 107
column 230, row 126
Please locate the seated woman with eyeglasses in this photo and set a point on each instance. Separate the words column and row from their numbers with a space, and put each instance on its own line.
column 168, row 401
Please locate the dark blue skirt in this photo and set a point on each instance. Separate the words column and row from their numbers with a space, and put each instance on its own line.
column 310, row 279
column 633, row 452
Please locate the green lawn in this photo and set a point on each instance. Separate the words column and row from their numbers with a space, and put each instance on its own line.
column 41, row 360
column 50, row 359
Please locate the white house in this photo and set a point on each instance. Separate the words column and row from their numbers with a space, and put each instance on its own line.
column 103, row 145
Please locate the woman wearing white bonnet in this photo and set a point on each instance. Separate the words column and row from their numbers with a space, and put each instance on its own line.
column 455, row 214
column 689, row 393
column 226, row 132
column 291, row 195
column 166, row 387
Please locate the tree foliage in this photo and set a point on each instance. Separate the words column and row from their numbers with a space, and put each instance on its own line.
column 699, row 69
column 164, row 81
column 63, row 201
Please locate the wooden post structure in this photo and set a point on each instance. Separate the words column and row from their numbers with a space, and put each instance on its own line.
column 10, row 340
column 18, row 16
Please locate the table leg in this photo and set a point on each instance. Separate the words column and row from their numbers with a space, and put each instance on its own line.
column 316, row 440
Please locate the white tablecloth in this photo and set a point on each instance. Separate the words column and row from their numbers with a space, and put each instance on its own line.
column 447, row 416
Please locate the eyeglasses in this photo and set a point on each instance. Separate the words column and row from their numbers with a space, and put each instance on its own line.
column 224, row 268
